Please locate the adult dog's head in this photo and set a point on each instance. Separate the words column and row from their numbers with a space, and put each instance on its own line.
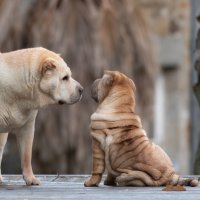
column 115, row 89
column 56, row 80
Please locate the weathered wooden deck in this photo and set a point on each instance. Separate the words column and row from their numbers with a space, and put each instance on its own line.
column 71, row 187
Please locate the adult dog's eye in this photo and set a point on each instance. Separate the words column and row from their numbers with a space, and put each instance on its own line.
column 65, row 78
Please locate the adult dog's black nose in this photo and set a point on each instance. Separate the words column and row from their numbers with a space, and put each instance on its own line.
column 80, row 89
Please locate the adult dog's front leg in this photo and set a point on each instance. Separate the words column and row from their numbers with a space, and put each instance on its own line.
column 25, row 137
column 3, row 139
column 98, row 165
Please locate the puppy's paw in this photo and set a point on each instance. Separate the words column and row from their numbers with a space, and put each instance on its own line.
column 31, row 180
column 92, row 181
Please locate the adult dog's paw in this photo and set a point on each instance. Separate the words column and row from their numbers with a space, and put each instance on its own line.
column 31, row 180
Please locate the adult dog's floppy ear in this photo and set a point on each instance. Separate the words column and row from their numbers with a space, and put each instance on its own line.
column 47, row 66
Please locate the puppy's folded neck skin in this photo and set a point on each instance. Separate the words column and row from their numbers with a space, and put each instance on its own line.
column 114, row 93
column 116, row 102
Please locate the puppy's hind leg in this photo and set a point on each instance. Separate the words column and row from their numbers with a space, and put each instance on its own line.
column 128, row 180
column 3, row 139
column 134, row 183
column 137, row 178
column 110, row 180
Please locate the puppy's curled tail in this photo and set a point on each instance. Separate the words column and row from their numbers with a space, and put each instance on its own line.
column 178, row 180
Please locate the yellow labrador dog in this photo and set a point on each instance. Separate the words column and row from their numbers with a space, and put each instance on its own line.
column 30, row 79
column 120, row 144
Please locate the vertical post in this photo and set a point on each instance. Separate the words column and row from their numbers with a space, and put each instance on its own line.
column 196, row 87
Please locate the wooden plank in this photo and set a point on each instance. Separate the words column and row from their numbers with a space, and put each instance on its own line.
column 71, row 187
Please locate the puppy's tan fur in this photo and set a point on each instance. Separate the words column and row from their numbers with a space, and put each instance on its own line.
column 30, row 79
column 120, row 144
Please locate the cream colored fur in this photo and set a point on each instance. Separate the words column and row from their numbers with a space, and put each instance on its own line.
column 30, row 79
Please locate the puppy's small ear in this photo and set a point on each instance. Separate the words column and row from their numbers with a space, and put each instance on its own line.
column 108, row 79
column 112, row 73
column 47, row 66
column 132, row 85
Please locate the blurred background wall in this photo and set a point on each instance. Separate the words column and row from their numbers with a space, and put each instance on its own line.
column 149, row 40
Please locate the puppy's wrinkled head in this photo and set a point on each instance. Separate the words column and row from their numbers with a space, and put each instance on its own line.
column 112, row 83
